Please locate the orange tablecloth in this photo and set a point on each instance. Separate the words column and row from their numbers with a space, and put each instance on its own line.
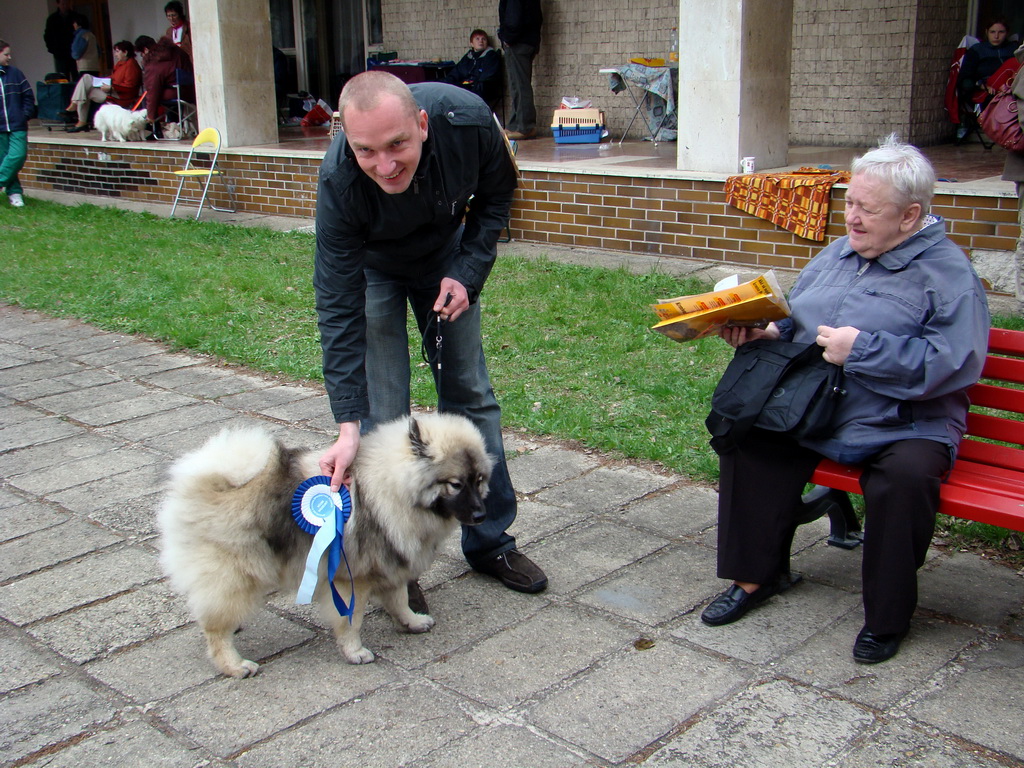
column 797, row 201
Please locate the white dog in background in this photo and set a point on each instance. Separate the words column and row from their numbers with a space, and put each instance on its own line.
column 120, row 124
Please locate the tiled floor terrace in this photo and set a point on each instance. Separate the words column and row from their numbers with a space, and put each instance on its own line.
column 627, row 197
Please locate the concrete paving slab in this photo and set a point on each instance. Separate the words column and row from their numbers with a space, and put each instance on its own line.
column 797, row 726
column 27, row 718
column 466, row 611
column 21, row 372
column 108, row 625
column 62, row 541
column 82, row 581
column 384, row 728
column 547, row 466
column 132, row 518
column 69, row 382
column 682, row 511
column 131, row 408
column 132, row 745
column 142, row 671
column 36, row 431
column 591, row 551
column 227, row 715
column 643, row 682
column 88, row 498
column 74, row 401
column 23, row 663
column 604, row 489
column 497, row 744
column 981, row 698
column 20, row 517
column 531, row 656
column 659, row 588
column 897, row 744
column 535, row 521
column 39, row 457
column 152, row 427
column 826, row 660
column 775, row 628
column 971, row 588
column 83, row 470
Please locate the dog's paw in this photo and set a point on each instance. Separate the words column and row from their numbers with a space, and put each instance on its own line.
column 362, row 655
column 419, row 623
column 241, row 671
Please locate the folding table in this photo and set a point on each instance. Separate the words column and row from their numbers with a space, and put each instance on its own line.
column 642, row 82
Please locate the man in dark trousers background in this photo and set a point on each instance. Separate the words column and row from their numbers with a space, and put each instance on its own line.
column 58, row 35
column 519, row 23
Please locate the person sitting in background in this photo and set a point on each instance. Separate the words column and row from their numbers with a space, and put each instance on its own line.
column 179, row 31
column 84, row 48
column 479, row 69
column 160, row 63
column 981, row 62
column 123, row 90
column 898, row 306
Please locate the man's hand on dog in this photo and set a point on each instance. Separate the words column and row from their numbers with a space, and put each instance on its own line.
column 338, row 458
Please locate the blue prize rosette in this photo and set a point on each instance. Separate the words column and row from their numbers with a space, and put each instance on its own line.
column 322, row 512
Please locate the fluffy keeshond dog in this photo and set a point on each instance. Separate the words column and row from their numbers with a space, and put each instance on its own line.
column 228, row 537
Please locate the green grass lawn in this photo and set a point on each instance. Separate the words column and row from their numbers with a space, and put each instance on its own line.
column 569, row 347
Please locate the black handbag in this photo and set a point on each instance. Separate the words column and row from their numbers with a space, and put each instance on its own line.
column 779, row 386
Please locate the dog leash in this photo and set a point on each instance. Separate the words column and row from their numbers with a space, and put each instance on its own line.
column 435, row 363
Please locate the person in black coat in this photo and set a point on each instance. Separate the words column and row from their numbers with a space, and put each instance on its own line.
column 479, row 69
column 58, row 35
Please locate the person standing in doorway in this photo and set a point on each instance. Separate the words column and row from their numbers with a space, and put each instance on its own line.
column 57, row 35
column 519, row 31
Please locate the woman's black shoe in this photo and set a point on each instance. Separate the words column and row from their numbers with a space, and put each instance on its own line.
column 733, row 604
column 870, row 648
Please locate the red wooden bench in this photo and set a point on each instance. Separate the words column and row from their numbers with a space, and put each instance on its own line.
column 986, row 483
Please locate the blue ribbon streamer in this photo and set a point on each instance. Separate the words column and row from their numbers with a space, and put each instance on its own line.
column 317, row 511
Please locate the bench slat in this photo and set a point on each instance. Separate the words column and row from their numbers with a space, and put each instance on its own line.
column 1003, row 369
column 1006, row 342
column 1001, row 398
column 966, row 501
column 995, row 428
column 992, row 455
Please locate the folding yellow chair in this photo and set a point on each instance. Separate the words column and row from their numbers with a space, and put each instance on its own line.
column 207, row 143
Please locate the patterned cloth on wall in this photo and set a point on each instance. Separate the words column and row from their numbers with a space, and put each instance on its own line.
column 660, row 85
column 797, row 201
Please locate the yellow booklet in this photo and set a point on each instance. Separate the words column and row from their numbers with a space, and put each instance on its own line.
column 752, row 304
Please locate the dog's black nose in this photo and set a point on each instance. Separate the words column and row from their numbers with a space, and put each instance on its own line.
column 478, row 517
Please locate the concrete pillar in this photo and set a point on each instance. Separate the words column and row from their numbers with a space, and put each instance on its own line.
column 733, row 83
column 234, row 67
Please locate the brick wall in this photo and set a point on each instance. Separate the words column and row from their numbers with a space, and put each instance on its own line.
column 670, row 217
column 690, row 219
column 284, row 186
column 860, row 68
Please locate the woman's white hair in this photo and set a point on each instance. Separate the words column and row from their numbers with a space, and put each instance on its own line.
column 903, row 168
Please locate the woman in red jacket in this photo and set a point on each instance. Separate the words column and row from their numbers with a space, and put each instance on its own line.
column 123, row 89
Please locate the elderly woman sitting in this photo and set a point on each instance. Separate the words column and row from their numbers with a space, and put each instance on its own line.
column 898, row 305
column 123, row 89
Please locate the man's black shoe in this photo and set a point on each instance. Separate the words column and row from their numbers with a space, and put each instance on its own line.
column 515, row 570
column 417, row 600
column 733, row 604
column 870, row 648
